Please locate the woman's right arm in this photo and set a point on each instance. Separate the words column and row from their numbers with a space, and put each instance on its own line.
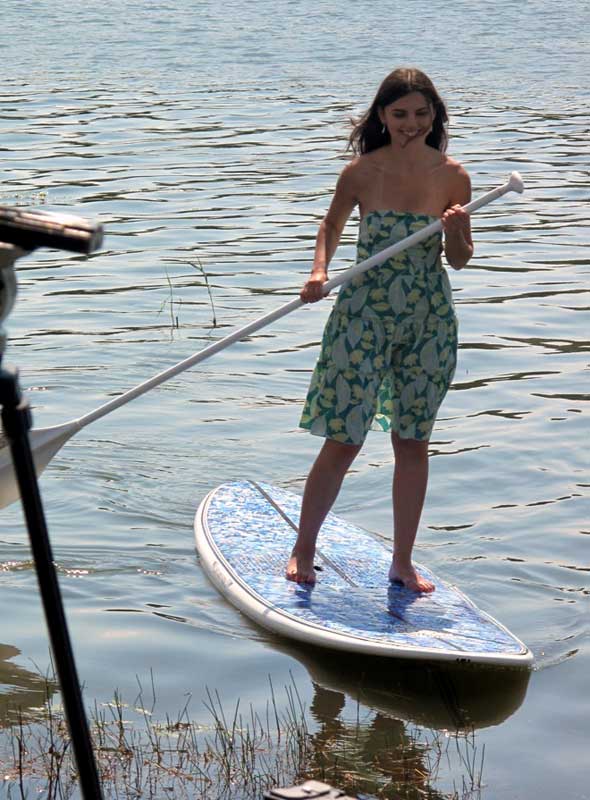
column 330, row 230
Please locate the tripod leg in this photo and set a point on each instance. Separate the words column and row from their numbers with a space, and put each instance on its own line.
column 16, row 419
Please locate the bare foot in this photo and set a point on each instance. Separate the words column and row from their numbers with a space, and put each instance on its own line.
column 300, row 568
column 410, row 578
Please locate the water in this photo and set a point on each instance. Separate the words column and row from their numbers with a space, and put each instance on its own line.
column 209, row 137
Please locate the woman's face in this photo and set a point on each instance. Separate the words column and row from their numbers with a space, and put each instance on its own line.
column 408, row 119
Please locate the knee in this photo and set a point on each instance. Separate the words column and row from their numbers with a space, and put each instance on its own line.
column 409, row 450
column 336, row 455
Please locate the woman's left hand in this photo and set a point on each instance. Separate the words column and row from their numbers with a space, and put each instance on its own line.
column 455, row 220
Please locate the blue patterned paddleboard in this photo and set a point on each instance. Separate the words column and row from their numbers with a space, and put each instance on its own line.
column 244, row 534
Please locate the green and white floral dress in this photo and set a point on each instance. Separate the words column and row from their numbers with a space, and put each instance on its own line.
column 389, row 348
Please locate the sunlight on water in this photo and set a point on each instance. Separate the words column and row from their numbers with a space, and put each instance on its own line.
column 209, row 151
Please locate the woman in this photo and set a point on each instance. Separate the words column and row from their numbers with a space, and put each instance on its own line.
column 389, row 348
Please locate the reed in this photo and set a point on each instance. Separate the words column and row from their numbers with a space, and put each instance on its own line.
column 200, row 268
column 234, row 755
column 170, row 303
column 173, row 304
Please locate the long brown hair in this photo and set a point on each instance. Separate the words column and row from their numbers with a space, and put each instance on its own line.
column 368, row 134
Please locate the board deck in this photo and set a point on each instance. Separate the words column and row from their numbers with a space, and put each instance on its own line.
column 244, row 535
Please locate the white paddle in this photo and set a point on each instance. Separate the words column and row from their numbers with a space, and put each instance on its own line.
column 46, row 442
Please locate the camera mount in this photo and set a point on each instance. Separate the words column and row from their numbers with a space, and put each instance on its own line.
column 31, row 230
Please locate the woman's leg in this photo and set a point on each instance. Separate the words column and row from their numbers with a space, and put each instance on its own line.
column 321, row 490
column 410, row 479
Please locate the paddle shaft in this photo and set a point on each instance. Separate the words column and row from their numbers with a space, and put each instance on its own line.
column 514, row 184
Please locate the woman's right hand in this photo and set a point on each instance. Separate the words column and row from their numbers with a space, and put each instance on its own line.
column 312, row 290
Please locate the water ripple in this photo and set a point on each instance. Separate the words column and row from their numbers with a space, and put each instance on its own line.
column 198, row 149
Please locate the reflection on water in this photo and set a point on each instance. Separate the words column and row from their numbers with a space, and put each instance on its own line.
column 24, row 692
column 414, row 727
column 444, row 697
column 382, row 755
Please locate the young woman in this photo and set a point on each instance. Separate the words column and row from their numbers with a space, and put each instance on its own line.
column 389, row 347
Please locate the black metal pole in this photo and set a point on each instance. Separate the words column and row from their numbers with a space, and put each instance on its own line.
column 16, row 419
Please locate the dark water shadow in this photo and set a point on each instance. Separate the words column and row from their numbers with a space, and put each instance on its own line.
column 434, row 695
column 24, row 693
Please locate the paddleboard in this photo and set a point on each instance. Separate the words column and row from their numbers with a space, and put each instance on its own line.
column 244, row 534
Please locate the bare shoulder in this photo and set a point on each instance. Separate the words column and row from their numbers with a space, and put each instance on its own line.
column 352, row 178
column 457, row 182
column 359, row 172
column 345, row 197
column 354, row 171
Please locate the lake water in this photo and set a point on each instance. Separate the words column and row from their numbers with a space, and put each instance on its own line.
column 208, row 137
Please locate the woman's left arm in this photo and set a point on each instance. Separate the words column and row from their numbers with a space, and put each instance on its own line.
column 456, row 222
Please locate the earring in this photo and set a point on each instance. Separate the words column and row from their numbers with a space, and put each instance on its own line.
column 383, row 129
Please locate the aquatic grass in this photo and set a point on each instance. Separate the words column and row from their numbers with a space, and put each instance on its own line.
column 170, row 301
column 238, row 754
column 200, row 268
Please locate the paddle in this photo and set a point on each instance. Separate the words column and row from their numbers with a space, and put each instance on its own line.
column 46, row 442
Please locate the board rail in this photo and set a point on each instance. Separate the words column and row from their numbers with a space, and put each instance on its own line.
column 290, row 613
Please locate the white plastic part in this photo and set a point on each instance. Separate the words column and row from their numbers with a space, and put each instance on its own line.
column 45, row 443
column 516, row 183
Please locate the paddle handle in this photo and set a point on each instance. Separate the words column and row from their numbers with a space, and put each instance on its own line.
column 514, row 184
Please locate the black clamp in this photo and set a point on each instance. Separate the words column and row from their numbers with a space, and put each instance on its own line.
column 16, row 413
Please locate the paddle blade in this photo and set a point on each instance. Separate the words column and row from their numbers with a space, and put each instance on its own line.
column 45, row 443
